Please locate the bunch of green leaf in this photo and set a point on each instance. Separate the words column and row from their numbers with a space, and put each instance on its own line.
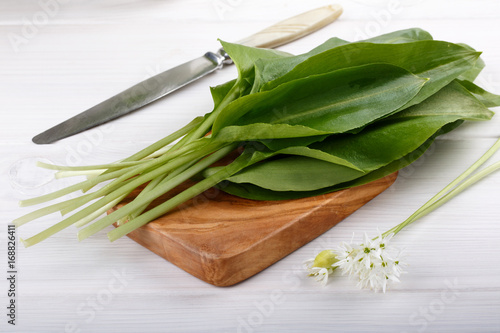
column 341, row 115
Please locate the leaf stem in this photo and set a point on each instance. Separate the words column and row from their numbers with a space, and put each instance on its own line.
column 70, row 189
column 180, row 198
column 153, row 194
column 44, row 211
column 165, row 141
column 89, row 218
column 160, row 181
column 118, row 165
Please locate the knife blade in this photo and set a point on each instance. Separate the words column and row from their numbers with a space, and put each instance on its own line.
column 166, row 82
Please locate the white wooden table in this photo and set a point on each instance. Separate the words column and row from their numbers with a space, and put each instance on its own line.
column 60, row 57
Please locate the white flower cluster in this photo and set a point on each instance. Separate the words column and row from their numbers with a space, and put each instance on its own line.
column 373, row 262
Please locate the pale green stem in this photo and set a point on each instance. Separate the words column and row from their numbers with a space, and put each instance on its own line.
column 161, row 182
column 94, row 195
column 145, row 175
column 89, row 218
column 159, row 152
column 170, row 204
column 140, row 155
column 199, row 131
column 70, row 189
column 151, row 185
column 154, row 163
column 444, row 199
column 119, row 165
column 123, row 190
column 150, row 196
column 89, row 174
column 202, row 129
column 165, row 141
column 44, row 211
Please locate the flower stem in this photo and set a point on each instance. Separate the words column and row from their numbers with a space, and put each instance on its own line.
column 460, row 188
column 452, row 189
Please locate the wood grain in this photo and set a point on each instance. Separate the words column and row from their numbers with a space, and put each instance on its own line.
column 223, row 239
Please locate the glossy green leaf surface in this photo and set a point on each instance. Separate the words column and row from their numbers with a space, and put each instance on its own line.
column 334, row 102
column 439, row 61
column 385, row 146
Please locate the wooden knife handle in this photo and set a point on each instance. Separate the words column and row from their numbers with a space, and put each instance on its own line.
column 294, row 27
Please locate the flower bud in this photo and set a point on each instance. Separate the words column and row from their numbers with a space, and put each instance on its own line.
column 325, row 259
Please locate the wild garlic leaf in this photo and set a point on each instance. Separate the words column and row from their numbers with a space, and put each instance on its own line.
column 439, row 61
column 279, row 144
column 254, row 192
column 269, row 69
column 401, row 36
column 334, row 102
column 397, row 164
column 488, row 99
column 398, row 135
column 370, row 150
column 453, row 100
column 295, row 173
column 220, row 92
column 244, row 57
column 378, row 150
column 472, row 73
column 256, row 67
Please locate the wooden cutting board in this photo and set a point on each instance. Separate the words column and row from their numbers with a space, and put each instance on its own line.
column 223, row 239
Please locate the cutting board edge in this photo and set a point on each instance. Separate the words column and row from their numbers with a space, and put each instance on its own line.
column 329, row 221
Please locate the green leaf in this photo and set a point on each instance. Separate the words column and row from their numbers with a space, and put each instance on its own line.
column 220, row 92
column 378, row 150
column 328, row 103
column 472, row 73
column 487, row 98
column 254, row 192
column 262, row 131
column 401, row 36
column 453, row 100
column 402, row 133
column 397, row 164
column 269, row 69
column 439, row 61
column 295, row 173
column 244, row 57
column 279, row 144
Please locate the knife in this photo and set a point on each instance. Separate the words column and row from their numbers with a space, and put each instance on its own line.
column 166, row 82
